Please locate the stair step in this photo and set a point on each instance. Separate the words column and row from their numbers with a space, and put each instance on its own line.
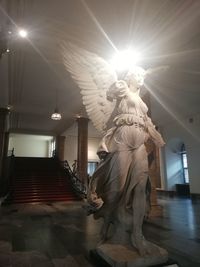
column 57, row 187
column 40, row 180
column 43, row 200
column 43, row 197
column 44, row 189
column 42, row 192
column 31, row 196
column 35, row 198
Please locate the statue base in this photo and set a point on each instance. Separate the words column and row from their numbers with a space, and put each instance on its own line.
column 117, row 255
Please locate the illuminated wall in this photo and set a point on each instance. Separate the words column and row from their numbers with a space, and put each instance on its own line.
column 30, row 145
column 189, row 133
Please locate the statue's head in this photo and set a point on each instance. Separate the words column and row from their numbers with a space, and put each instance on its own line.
column 135, row 77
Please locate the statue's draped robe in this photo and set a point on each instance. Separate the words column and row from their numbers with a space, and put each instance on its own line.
column 126, row 163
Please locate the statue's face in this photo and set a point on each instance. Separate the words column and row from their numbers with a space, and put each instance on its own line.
column 135, row 78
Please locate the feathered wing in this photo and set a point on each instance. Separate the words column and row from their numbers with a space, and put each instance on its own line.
column 94, row 76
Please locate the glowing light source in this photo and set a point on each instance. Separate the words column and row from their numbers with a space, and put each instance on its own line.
column 22, row 33
column 125, row 60
column 56, row 115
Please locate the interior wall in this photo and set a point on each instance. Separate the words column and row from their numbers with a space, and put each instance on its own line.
column 29, row 145
column 93, row 144
column 173, row 133
column 70, row 153
column 189, row 133
column 173, row 164
column 71, row 143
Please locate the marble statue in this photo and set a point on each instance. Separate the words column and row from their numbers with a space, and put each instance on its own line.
column 120, row 187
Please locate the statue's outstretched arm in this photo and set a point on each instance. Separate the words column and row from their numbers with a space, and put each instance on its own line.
column 155, row 136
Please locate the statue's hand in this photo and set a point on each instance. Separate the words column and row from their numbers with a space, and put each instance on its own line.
column 121, row 84
column 121, row 88
column 95, row 201
column 154, row 134
column 118, row 90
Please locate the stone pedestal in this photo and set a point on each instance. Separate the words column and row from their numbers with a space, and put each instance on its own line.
column 117, row 255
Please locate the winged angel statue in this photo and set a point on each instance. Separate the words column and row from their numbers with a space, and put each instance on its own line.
column 119, row 187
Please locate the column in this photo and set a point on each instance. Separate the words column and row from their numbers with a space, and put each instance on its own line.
column 154, row 167
column 60, row 147
column 82, row 155
column 154, row 173
column 4, row 112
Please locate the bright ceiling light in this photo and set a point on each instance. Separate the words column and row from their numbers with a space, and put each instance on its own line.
column 22, row 33
column 56, row 116
column 125, row 60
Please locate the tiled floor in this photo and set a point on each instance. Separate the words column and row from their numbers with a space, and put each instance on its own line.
column 178, row 230
column 61, row 235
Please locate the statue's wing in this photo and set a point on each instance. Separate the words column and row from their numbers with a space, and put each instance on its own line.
column 94, row 76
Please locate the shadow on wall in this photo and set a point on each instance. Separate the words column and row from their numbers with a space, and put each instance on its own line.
column 176, row 165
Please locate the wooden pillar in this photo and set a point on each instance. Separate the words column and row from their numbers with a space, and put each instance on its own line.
column 82, row 154
column 60, row 147
column 4, row 112
column 154, row 166
column 154, row 173
column 6, row 143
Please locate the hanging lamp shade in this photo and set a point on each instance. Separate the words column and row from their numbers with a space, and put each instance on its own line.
column 56, row 115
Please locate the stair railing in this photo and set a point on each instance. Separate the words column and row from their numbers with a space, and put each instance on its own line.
column 77, row 184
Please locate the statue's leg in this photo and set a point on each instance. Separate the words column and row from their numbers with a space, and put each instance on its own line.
column 105, row 228
column 139, row 209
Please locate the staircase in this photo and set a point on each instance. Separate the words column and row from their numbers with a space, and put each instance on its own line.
column 40, row 180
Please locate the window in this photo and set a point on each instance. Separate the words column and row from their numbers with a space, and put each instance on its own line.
column 92, row 167
column 53, row 148
column 185, row 164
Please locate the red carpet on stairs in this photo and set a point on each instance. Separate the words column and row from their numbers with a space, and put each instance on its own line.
column 40, row 180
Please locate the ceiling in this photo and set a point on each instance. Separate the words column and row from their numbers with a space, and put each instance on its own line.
column 33, row 77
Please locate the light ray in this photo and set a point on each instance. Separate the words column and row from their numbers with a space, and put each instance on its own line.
column 37, row 50
column 191, row 71
column 7, row 16
column 175, row 54
column 98, row 25
column 182, row 17
column 172, row 113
